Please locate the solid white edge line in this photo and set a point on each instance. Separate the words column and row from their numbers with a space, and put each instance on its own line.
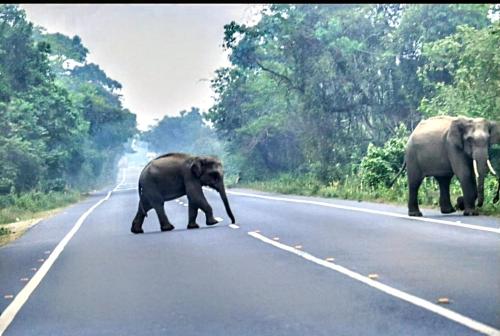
column 20, row 299
column 464, row 320
column 376, row 212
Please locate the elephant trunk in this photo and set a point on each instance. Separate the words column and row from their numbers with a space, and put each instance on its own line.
column 223, row 196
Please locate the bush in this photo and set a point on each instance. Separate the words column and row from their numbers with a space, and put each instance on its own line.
column 381, row 164
column 4, row 231
column 14, row 207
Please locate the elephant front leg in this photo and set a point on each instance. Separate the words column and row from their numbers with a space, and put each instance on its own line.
column 470, row 195
column 197, row 198
column 193, row 213
column 209, row 214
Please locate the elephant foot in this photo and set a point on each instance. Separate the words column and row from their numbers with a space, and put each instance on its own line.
column 193, row 226
column 415, row 213
column 136, row 231
column 471, row 212
column 167, row 227
column 212, row 221
column 448, row 210
column 460, row 203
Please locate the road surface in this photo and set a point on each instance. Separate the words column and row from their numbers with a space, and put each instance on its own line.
column 290, row 266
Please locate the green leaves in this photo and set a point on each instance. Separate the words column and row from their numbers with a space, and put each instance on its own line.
column 311, row 86
column 381, row 164
column 469, row 61
column 60, row 126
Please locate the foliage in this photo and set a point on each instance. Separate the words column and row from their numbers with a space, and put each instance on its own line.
column 470, row 59
column 381, row 164
column 314, row 93
column 20, row 207
column 62, row 122
column 311, row 86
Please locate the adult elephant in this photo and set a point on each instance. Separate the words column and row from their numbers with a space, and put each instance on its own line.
column 445, row 146
column 173, row 175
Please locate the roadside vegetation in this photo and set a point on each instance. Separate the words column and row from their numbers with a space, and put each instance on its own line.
column 320, row 99
column 62, row 122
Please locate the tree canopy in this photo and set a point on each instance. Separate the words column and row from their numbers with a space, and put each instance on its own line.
column 311, row 86
column 62, row 126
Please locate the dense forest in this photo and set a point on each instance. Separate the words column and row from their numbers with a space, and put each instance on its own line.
column 325, row 96
column 63, row 124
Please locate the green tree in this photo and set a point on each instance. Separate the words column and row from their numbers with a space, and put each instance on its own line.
column 327, row 80
column 470, row 59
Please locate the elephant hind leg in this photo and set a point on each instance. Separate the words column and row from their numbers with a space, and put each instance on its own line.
column 139, row 218
column 444, row 194
column 165, row 224
column 414, row 183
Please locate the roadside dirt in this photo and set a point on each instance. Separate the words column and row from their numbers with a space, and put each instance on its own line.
column 17, row 229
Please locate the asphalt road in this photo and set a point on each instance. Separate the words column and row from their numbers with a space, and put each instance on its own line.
column 268, row 275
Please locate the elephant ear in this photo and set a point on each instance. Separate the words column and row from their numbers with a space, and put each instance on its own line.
column 456, row 132
column 494, row 132
column 196, row 167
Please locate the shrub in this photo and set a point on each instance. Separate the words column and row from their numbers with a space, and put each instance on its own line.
column 381, row 164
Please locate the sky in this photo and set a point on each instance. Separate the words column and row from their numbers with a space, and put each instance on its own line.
column 164, row 55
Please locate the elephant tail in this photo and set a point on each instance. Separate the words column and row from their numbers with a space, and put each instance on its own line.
column 141, row 200
column 397, row 175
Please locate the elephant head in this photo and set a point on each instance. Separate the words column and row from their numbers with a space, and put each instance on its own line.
column 209, row 171
column 474, row 137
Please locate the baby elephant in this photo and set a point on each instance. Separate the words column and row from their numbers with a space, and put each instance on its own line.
column 173, row 175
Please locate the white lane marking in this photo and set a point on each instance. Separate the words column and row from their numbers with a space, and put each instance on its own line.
column 10, row 312
column 219, row 219
column 233, row 226
column 464, row 320
column 376, row 212
column 126, row 189
column 124, row 174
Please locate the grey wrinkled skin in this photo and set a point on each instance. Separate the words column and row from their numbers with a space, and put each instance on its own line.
column 446, row 146
column 173, row 175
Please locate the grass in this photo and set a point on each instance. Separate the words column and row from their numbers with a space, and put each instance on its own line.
column 15, row 208
column 352, row 188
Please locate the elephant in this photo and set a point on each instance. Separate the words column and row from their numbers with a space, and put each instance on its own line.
column 173, row 175
column 445, row 146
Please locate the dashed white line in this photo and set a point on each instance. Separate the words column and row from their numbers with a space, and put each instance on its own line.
column 464, row 320
column 233, row 226
column 376, row 212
